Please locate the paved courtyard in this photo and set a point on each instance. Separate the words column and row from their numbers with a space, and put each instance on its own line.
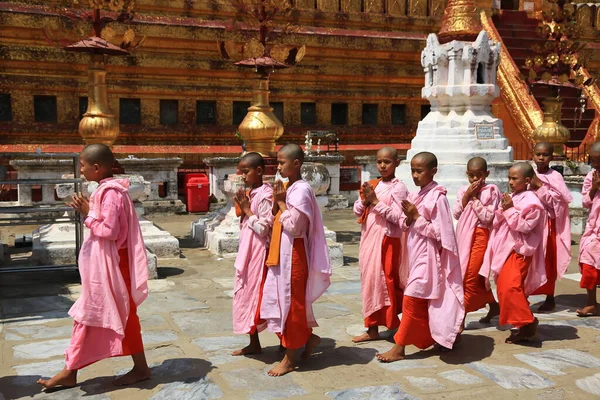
column 186, row 325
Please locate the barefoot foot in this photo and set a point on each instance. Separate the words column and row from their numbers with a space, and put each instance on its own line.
column 284, row 367
column 133, row 376
column 588, row 311
column 493, row 312
column 366, row 337
column 313, row 341
column 549, row 305
column 524, row 334
column 65, row 378
column 250, row 349
column 396, row 353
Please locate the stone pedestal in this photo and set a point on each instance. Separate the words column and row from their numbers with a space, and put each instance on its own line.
column 157, row 171
column 40, row 169
column 218, row 170
column 460, row 84
column 577, row 212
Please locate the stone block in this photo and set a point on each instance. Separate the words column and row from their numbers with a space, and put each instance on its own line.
column 336, row 253
column 337, row 202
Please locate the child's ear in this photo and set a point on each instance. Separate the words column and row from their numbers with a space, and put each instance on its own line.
column 297, row 163
column 259, row 170
column 397, row 162
column 487, row 174
column 434, row 171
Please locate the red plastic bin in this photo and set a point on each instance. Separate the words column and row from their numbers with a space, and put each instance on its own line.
column 198, row 193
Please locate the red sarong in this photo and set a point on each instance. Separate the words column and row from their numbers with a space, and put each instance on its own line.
column 476, row 294
column 514, row 307
column 590, row 278
column 388, row 315
column 550, row 260
column 414, row 326
column 296, row 332
column 90, row 344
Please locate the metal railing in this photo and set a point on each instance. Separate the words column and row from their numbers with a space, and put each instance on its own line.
column 26, row 215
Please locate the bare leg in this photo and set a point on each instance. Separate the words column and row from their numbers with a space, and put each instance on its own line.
column 396, row 353
column 591, row 308
column 286, row 365
column 140, row 371
column 372, row 333
column 65, row 378
column 549, row 304
column 253, row 348
column 313, row 341
column 493, row 312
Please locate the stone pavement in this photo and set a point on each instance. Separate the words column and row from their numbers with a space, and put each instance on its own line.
column 186, row 325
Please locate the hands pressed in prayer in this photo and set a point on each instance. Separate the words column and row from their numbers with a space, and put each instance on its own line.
column 243, row 201
column 370, row 196
column 411, row 212
column 507, row 202
column 535, row 183
column 80, row 203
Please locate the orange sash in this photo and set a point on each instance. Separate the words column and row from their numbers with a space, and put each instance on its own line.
column 273, row 257
column 238, row 210
column 363, row 217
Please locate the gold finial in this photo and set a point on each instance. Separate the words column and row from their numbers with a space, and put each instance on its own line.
column 460, row 22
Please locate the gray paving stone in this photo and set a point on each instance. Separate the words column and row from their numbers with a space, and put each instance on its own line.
column 229, row 343
column 512, row 377
column 554, row 361
column 391, row 392
column 40, row 350
column 202, row 389
column 152, row 321
column 164, row 352
column 460, row 377
column 344, row 287
column 36, row 318
column 158, row 303
column 256, row 381
column 38, row 332
column 591, row 384
column 27, row 374
column 203, row 323
column 425, row 384
column 76, row 393
column 154, row 337
column 330, row 310
column 31, row 305
column 592, row 323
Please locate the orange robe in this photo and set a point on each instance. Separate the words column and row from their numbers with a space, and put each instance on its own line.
column 590, row 277
column 476, row 293
column 514, row 307
column 550, row 260
column 388, row 315
column 414, row 327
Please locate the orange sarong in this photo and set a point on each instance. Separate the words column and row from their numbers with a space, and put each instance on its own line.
column 98, row 339
column 550, row 260
column 296, row 332
column 388, row 315
column 514, row 307
column 590, row 278
column 476, row 294
column 414, row 326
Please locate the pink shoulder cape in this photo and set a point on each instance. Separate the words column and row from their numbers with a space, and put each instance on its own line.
column 444, row 285
column 104, row 299
column 555, row 196
column 277, row 292
column 589, row 246
column 529, row 218
column 468, row 219
column 250, row 262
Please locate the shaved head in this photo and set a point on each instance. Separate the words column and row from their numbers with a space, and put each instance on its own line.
column 390, row 151
column 477, row 164
column 524, row 169
column 253, row 160
column 292, row 152
column 595, row 148
column 428, row 158
column 549, row 147
column 98, row 153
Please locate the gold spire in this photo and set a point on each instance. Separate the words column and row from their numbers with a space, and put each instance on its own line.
column 460, row 22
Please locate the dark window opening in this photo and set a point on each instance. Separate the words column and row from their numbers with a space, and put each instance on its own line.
column 369, row 114
column 169, row 111
column 83, row 105
column 206, row 112
column 480, row 73
column 308, row 113
column 398, row 114
column 5, row 107
column 44, row 108
column 240, row 109
column 130, row 111
column 425, row 108
column 339, row 113
column 278, row 110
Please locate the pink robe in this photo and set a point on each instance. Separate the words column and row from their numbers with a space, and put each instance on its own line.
column 555, row 198
column 589, row 246
column 303, row 220
column 255, row 234
column 435, row 272
column 383, row 220
column 103, row 306
column 477, row 213
column 519, row 229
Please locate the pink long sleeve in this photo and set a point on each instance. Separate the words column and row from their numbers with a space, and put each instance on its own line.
column 262, row 222
column 358, row 208
column 109, row 223
column 294, row 222
column 523, row 221
column 458, row 208
column 392, row 212
column 485, row 212
column 428, row 228
column 586, row 189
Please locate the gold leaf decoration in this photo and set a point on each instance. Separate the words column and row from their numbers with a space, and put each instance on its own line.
column 107, row 33
column 532, row 74
column 546, row 76
column 128, row 36
column 563, row 78
column 115, row 5
column 529, row 62
column 538, row 60
column 97, row 4
column 301, row 54
column 279, row 53
column 579, row 80
column 552, row 58
column 254, row 49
